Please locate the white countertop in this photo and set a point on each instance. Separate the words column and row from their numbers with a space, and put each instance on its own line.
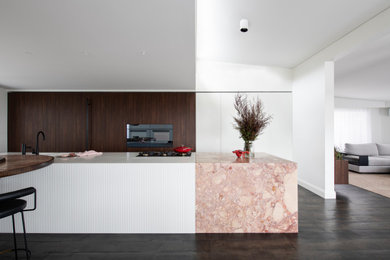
column 122, row 158
column 117, row 158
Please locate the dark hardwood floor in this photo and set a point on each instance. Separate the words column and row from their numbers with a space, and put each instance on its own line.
column 354, row 226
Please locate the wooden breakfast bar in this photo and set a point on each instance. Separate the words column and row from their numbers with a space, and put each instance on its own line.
column 16, row 164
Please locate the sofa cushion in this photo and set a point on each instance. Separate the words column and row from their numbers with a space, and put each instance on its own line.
column 378, row 161
column 383, row 149
column 361, row 149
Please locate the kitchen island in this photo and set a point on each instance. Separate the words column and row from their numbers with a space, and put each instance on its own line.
column 256, row 195
column 111, row 193
column 122, row 193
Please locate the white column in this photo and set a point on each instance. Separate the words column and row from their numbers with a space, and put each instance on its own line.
column 329, row 131
column 3, row 120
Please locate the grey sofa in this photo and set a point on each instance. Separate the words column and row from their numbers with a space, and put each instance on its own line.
column 368, row 158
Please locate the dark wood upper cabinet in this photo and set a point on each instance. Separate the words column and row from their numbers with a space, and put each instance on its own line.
column 61, row 116
column 71, row 122
column 79, row 121
column 109, row 115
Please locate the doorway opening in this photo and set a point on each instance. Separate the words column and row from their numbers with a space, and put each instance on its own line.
column 362, row 116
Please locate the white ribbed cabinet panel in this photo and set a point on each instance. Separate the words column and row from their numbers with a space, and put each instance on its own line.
column 108, row 198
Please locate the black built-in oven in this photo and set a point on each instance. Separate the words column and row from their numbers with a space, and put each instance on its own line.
column 151, row 135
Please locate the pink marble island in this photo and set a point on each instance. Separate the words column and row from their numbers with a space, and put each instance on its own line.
column 259, row 195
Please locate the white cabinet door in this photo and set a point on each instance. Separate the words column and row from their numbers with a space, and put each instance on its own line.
column 208, row 122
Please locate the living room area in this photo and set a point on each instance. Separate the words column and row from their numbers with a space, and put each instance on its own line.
column 362, row 117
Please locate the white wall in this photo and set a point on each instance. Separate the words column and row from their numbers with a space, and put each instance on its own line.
column 214, row 124
column 222, row 76
column 3, row 120
column 313, row 107
column 217, row 84
column 380, row 125
column 342, row 102
column 309, row 128
column 379, row 115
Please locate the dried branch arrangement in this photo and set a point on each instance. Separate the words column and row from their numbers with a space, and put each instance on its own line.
column 251, row 120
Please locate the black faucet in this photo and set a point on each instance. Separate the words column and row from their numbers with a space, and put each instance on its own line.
column 37, row 144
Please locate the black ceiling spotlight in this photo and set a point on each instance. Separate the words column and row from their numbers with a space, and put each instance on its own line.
column 244, row 25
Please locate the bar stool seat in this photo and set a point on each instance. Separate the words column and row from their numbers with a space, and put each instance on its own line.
column 10, row 204
column 12, row 207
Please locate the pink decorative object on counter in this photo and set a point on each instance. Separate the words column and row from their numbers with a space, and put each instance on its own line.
column 89, row 153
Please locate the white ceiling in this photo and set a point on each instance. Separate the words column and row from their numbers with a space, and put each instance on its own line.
column 150, row 44
column 365, row 73
column 97, row 44
column 281, row 32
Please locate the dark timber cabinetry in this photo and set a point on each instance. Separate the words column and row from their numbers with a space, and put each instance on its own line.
column 76, row 121
column 341, row 172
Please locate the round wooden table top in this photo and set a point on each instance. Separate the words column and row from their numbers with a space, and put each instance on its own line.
column 16, row 164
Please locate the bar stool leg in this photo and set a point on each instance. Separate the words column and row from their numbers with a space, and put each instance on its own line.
column 13, row 228
column 25, row 238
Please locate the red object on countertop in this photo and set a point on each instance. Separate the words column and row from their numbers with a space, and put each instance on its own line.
column 182, row 149
column 239, row 153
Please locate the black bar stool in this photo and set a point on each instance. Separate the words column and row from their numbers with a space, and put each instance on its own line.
column 10, row 204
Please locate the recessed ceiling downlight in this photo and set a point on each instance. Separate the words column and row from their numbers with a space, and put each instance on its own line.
column 244, row 25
